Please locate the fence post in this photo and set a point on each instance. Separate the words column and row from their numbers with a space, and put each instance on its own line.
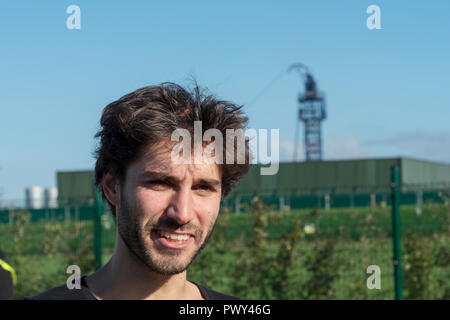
column 419, row 202
column 237, row 204
column 281, row 202
column 327, row 202
column 396, row 232
column 66, row 214
column 373, row 200
column 98, row 210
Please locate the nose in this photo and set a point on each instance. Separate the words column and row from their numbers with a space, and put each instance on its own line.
column 181, row 209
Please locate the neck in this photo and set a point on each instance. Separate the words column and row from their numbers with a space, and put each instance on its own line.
column 127, row 277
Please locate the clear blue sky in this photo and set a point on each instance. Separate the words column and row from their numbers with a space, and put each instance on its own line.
column 387, row 90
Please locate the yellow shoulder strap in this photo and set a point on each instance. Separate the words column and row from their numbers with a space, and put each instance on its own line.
column 7, row 267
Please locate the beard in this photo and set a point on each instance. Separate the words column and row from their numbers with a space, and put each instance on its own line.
column 140, row 240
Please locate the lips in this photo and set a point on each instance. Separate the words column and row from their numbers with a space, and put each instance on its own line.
column 171, row 239
column 175, row 234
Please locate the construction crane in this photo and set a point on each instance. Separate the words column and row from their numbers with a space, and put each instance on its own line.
column 311, row 111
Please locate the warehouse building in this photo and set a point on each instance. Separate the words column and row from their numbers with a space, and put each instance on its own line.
column 343, row 183
column 324, row 184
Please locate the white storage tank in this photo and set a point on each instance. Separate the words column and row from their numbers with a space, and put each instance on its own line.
column 34, row 197
column 51, row 197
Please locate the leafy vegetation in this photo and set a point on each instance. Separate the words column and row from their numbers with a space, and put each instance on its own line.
column 263, row 253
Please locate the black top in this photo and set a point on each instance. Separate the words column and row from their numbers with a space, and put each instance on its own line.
column 63, row 293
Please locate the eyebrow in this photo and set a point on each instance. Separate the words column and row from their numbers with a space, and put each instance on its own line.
column 158, row 176
column 167, row 177
column 211, row 182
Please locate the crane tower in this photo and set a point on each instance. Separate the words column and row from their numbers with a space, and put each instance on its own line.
column 311, row 112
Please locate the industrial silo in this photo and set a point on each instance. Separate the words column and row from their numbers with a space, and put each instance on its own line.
column 51, row 197
column 34, row 197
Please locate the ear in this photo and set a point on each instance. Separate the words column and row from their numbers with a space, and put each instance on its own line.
column 111, row 189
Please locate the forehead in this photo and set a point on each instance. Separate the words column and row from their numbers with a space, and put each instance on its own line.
column 157, row 158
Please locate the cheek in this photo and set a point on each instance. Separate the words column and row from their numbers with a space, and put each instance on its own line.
column 209, row 211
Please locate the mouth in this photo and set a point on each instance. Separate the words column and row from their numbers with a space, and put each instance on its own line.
column 170, row 239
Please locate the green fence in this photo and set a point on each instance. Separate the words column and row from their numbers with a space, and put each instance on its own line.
column 319, row 200
column 78, row 213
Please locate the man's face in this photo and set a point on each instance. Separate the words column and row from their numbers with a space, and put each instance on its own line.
column 168, row 211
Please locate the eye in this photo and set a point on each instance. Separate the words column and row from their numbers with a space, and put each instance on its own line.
column 204, row 187
column 158, row 184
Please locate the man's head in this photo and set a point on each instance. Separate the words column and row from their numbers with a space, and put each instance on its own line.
column 157, row 203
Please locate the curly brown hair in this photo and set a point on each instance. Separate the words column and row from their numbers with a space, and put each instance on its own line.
column 149, row 115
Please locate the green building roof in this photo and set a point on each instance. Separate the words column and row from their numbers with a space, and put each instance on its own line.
column 332, row 176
